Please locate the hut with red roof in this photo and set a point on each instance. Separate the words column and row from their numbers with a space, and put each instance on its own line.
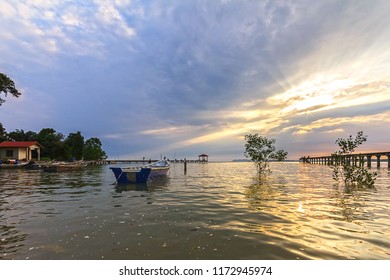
column 20, row 150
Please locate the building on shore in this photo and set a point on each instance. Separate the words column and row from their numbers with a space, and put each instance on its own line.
column 20, row 150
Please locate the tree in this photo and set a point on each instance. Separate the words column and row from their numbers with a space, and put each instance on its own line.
column 3, row 133
column 75, row 142
column 55, row 147
column 20, row 135
column 261, row 150
column 51, row 141
column 351, row 173
column 7, row 86
column 93, row 150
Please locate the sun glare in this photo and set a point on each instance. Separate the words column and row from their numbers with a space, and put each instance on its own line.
column 311, row 95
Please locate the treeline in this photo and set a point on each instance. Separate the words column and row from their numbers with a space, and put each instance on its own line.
column 57, row 146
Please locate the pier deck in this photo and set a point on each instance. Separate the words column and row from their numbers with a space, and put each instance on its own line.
column 351, row 159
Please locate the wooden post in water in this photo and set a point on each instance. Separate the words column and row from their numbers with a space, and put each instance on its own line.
column 185, row 166
column 388, row 160
column 361, row 161
column 368, row 161
column 378, row 161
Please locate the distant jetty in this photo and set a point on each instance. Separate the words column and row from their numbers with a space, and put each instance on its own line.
column 241, row 160
column 353, row 159
column 142, row 161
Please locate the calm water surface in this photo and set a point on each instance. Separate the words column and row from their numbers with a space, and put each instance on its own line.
column 215, row 211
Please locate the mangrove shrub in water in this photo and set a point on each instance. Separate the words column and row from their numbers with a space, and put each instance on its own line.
column 261, row 150
column 350, row 168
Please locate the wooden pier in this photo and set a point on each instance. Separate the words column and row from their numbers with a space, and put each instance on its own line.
column 144, row 161
column 202, row 158
column 353, row 159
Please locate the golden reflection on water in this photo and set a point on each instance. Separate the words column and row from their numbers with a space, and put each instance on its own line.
column 320, row 219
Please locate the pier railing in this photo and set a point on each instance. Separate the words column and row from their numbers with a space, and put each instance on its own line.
column 353, row 159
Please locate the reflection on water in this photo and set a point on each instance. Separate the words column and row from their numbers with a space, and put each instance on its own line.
column 215, row 211
column 149, row 187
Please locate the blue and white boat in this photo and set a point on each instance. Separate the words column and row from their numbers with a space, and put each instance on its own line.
column 141, row 174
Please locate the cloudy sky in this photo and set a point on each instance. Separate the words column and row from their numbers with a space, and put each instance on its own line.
column 180, row 78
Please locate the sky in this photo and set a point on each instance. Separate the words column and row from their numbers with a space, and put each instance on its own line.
column 181, row 78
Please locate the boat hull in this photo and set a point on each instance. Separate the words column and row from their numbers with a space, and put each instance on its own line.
column 125, row 176
column 157, row 173
column 14, row 166
column 139, row 175
column 63, row 167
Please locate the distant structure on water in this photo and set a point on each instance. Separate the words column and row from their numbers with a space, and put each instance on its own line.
column 203, row 158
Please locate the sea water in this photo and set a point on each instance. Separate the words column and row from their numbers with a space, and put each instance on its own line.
column 214, row 211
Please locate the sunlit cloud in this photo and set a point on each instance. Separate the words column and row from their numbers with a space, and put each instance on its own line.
column 310, row 94
column 337, row 123
column 275, row 114
column 169, row 131
column 7, row 10
column 111, row 16
column 225, row 131
column 56, row 26
column 320, row 96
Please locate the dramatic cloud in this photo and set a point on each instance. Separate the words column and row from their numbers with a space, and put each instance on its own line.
column 187, row 77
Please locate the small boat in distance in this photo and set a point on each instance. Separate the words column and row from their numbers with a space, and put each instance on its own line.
column 63, row 166
column 14, row 164
column 141, row 174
